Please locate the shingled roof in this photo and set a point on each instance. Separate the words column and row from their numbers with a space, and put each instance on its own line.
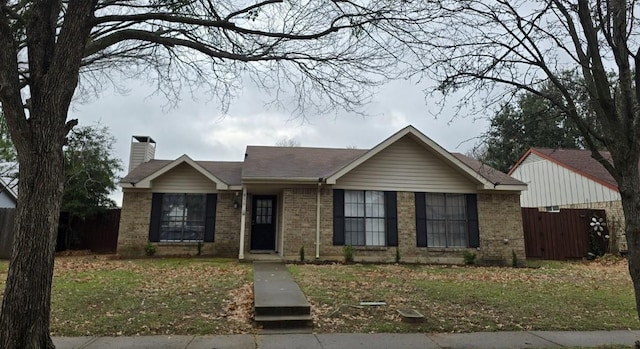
column 267, row 163
column 228, row 171
column 486, row 171
column 576, row 160
column 295, row 162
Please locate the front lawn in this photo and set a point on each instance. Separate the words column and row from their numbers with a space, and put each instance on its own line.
column 98, row 296
column 555, row 296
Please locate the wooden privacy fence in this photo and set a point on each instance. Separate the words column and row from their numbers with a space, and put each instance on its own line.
column 6, row 231
column 559, row 235
column 98, row 234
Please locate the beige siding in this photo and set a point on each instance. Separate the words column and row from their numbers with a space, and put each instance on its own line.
column 406, row 166
column 183, row 179
column 550, row 184
column 140, row 152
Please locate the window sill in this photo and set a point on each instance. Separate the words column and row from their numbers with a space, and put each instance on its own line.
column 370, row 248
column 179, row 243
column 447, row 249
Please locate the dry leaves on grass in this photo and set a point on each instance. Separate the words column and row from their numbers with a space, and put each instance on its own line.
column 239, row 306
column 97, row 295
column 437, row 291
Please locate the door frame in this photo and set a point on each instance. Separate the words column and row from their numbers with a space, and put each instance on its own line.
column 274, row 220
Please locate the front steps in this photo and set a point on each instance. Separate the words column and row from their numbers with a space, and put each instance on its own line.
column 278, row 301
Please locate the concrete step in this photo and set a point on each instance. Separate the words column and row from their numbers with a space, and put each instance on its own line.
column 278, row 300
column 280, row 322
column 269, row 310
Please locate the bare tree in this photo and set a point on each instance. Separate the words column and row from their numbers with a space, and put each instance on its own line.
column 287, row 142
column 327, row 54
column 493, row 49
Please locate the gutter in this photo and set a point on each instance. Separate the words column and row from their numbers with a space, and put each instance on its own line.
column 278, row 180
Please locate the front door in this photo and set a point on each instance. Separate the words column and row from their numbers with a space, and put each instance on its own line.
column 263, row 222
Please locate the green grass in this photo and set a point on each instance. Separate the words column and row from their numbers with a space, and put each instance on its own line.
column 156, row 296
column 97, row 297
column 552, row 296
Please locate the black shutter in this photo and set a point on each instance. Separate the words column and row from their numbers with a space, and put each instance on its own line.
column 156, row 215
column 472, row 223
column 338, row 217
column 391, row 217
column 421, row 219
column 210, row 218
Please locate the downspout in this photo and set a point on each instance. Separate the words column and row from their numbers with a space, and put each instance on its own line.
column 318, row 219
column 243, row 215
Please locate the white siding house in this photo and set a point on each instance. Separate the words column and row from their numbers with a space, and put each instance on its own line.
column 570, row 178
column 552, row 183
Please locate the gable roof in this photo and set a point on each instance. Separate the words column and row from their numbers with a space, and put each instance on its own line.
column 576, row 160
column 476, row 174
column 223, row 173
column 294, row 163
column 305, row 164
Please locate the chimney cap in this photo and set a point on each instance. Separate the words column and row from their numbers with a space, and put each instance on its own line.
column 145, row 139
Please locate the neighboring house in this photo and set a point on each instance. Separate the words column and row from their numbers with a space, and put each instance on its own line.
column 8, row 197
column 570, row 178
column 406, row 193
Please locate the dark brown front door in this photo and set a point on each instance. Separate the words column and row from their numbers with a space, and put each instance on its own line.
column 263, row 222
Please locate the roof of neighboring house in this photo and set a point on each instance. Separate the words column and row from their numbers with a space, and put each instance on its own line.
column 576, row 160
column 4, row 186
column 228, row 171
column 295, row 162
column 486, row 171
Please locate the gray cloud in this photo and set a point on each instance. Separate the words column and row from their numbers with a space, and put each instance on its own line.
column 199, row 129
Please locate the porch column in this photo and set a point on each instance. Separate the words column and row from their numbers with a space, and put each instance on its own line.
column 242, row 222
column 318, row 220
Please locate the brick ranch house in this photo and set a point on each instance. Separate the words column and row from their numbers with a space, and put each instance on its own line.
column 406, row 193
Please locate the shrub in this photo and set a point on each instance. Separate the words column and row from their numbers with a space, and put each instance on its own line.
column 514, row 259
column 397, row 255
column 149, row 249
column 302, row 254
column 199, row 247
column 469, row 257
column 348, row 254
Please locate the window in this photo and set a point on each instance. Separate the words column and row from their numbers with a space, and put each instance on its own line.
column 554, row 209
column 448, row 221
column 364, row 218
column 182, row 217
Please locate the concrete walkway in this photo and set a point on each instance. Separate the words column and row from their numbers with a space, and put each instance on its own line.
column 483, row 340
column 278, row 300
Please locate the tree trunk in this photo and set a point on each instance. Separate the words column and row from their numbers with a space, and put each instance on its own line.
column 632, row 220
column 629, row 187
column 26, row 308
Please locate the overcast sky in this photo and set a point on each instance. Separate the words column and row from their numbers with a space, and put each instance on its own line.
column 200, row 130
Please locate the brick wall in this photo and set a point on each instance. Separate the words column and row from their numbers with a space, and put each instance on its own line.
column 499, row 217
column 133, row 233
column 615, row 221
column 501, row 233
column 134, row 228
column 299, row 225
